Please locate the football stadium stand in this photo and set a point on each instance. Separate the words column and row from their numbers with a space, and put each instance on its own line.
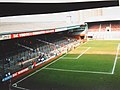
column 26, row 51
column 94, row 28
column 115, row 26
column 107, row 30
column 104, row 26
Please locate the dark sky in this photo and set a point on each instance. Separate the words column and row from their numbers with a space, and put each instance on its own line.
column 13, row 9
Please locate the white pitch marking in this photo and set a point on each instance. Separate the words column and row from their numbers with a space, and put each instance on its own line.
column 83, row 52
column 115, row 61
column 21, row 88
column 77, row 71
column 14, row 85
column 79, row 55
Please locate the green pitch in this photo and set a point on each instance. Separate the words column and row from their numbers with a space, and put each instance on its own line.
column 94, row 65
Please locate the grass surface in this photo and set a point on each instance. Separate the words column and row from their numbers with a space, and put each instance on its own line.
column 99, row 58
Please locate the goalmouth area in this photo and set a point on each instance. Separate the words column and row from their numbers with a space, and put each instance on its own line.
column 94, row 65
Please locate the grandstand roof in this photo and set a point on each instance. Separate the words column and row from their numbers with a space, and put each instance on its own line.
column 16, row 27
column 103, row 18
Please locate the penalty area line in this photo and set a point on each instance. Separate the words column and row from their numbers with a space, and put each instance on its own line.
column 83, row 52
column 79, row 55
column 115, row 61
column 77, row 71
